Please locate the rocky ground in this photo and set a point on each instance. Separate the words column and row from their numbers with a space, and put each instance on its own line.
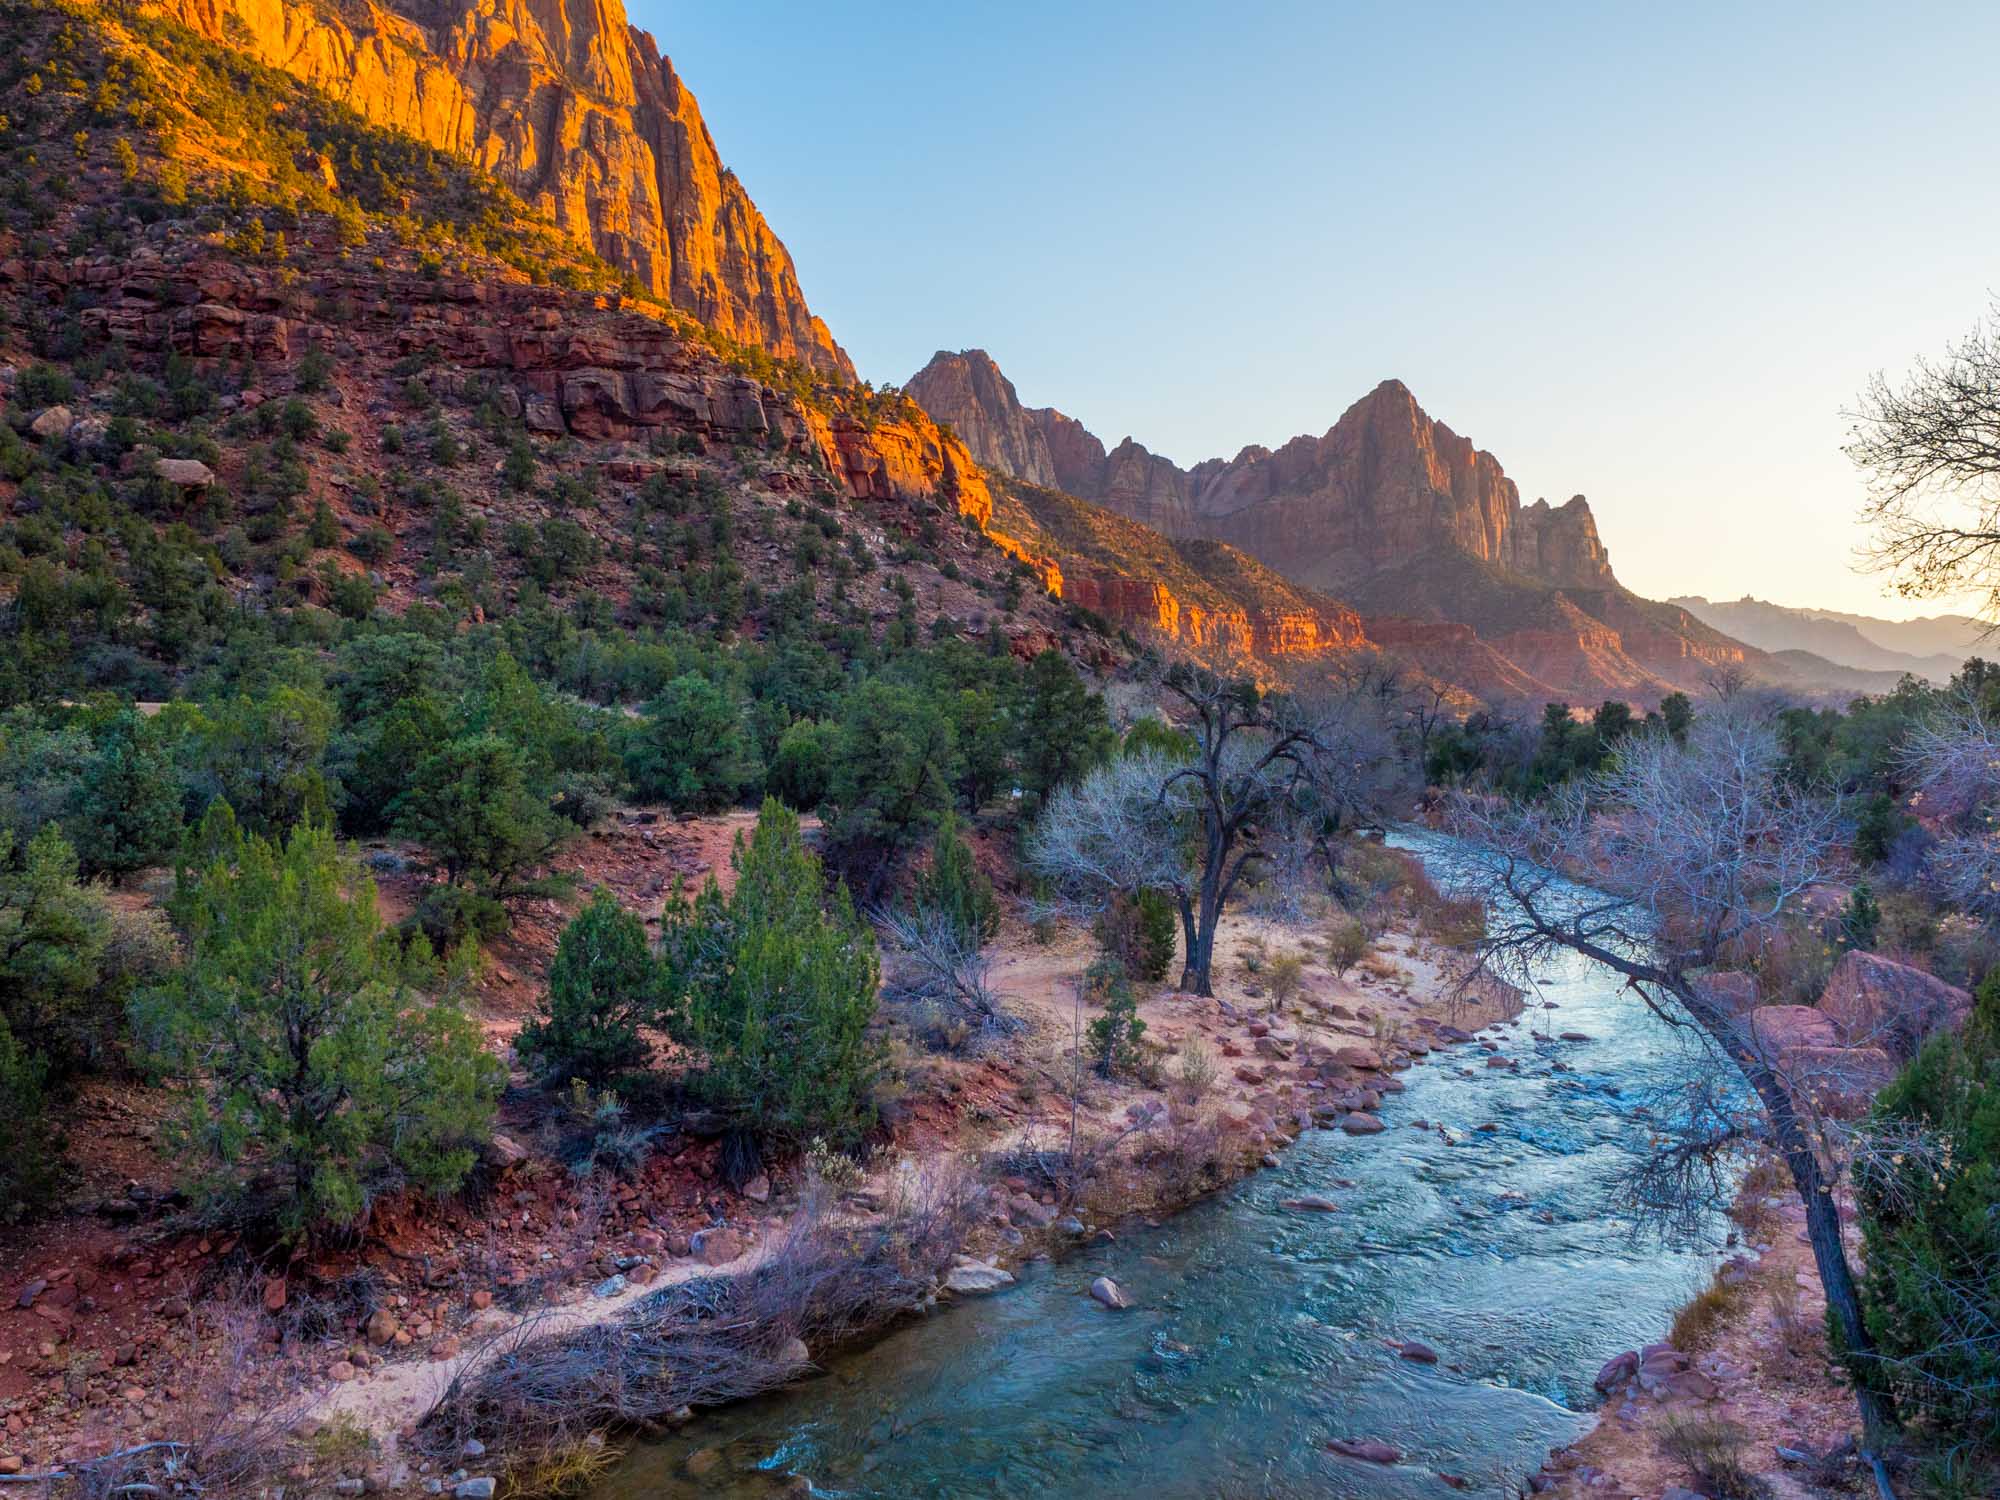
column 1756, row 1367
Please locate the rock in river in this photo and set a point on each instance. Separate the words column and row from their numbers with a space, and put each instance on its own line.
column 1107, row 1291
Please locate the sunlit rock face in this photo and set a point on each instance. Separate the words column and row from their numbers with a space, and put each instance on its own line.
column 1384, row 483
column 574, row 109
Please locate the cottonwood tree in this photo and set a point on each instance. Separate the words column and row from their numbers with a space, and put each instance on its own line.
column 1265, row 767
column 1931, row 448
column 1693, row 854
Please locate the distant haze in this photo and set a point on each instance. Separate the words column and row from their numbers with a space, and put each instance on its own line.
column 1647, row 255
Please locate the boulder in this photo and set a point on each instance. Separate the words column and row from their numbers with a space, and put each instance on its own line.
column 188, row 473
column 972, row 1278
column 1776, row 1029
column 381, row 1327
column 1107, row 1291
column 1839, row 1081
column 53, row 424
column 1616, row 1371
column 1417, row 1352
column 718, row 1246
column 1359, row 1123
column 1731, row 992
column 1877, row 1002
column 1311, row 1203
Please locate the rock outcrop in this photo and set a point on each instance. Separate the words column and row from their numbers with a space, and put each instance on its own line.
column 564, row 362
column 1877, row 1002
column 573, row 108
column 1385, row 482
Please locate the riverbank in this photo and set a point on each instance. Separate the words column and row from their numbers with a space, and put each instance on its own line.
column 132, row 1325
column 1744, row 1381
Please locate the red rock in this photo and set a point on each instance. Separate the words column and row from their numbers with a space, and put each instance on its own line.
column 1774, row 1029
column 1877, row 1002
column 1359, row 1123
column 274, row 1294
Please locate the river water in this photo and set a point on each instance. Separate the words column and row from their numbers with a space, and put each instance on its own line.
column 1258, row 1331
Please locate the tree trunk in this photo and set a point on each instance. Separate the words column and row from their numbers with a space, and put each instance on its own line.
column 1843, row 1301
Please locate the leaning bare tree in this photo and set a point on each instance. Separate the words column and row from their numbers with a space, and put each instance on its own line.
column 1931, row 449
column 1264, row 765
column 1691, row 855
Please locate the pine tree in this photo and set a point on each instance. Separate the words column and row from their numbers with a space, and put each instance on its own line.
column 604, row 986
column 779, row 987
column 303, row 1038
column 955, row 887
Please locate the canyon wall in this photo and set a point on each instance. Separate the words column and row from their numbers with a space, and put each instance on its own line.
column 575, row 110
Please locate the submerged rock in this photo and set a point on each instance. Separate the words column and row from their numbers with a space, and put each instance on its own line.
column 1107, row 1291
column 1368, row 1450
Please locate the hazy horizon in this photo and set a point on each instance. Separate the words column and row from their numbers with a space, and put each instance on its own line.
column 1645, row 257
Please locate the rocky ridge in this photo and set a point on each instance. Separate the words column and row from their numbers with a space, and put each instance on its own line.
column 577, row 111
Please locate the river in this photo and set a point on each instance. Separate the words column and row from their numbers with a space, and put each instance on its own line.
column 1259, row 1331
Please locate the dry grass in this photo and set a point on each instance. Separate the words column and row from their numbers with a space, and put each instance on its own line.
column 1696, row 1323
column 1713, row 1453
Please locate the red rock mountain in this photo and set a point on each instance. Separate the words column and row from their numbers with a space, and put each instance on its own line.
column 573, row 108
column 1384, row 483
column 1392, row 512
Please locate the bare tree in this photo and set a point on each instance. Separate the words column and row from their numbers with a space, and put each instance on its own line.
column 1954, row 761
column 1931, row 449
column 1263, row 763
column 946, row 965
column 1691, row 855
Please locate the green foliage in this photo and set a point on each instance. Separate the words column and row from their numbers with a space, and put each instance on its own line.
column 954, row 886
column 692, row 750
column 778, row 990
column 470, row 805
column 32, row 1145
column 301, row 1036
column 1860, row 918
column 1877, row 826
column 1140, row 932
column 604, row 986
column 894, row 766
column 1062, row 730
column 1928, row 1191
column 1112, row 1039
column 54, row 937
column 802, row 766
column 127, row 803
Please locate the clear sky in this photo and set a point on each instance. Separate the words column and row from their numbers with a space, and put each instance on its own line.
column 1645, row 253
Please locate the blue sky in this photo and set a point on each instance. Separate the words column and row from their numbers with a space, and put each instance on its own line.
column 1642, row 253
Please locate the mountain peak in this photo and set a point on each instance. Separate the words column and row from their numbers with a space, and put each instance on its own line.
column 1385, row 482
column 576, row 111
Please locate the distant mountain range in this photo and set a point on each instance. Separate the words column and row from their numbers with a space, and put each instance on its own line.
column 1934, row 647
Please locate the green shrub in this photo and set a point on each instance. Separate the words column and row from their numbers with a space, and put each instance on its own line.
column 1140, row 932
column 32, row 1167
column 1928, row 1191
column 802, row 764
column 954, row 886
column 303, row 1039
column 776, row 988
column 604, row 986
column 1346, row 944
column 692, row 750
column 1860, row 918
column 1112, row 1038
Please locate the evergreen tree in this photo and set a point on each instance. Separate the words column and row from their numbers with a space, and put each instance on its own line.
column 32, row 1165
column 470, row 805
column 301, row 1035
column 778, row 987
column 126, row 807
column 955, row 886
column 1062, row 730
column 1928, row 1191
column 693, row 751
column 604, row 986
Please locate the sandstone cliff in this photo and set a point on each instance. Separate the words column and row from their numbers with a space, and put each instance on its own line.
column 1383, row 483
column 574, row 109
